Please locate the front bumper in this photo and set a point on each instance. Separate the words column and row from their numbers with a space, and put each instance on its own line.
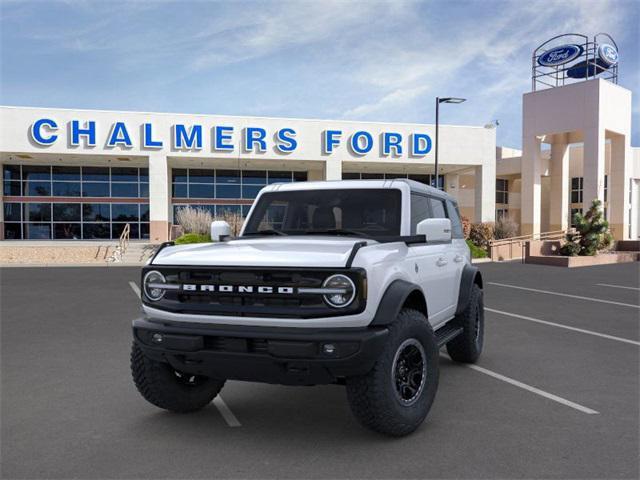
column 289, row 356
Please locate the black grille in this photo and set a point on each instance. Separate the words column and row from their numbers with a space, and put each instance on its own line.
column 254, row 304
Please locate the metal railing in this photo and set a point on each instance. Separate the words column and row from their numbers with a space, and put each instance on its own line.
column 123, row 244
column 514, row 247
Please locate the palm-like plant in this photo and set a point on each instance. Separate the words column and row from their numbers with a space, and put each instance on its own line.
column 591, row 233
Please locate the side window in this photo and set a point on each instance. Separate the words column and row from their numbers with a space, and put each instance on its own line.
column 456, row 223
column 419, row 210
column 437, row 208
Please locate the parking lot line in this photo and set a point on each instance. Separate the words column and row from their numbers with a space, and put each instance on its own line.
column 617, row 286
column 566, row 327
column 611, row 302
column 529, row 388
column 226, row 412
column 135, row 288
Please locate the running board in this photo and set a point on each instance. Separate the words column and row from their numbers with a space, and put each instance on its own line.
column 447, row 333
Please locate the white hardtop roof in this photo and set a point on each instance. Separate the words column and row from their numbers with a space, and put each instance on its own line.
column 397, row 183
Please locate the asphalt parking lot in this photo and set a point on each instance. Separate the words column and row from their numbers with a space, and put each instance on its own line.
column 555, row 394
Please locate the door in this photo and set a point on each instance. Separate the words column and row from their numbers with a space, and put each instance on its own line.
column 434, row 263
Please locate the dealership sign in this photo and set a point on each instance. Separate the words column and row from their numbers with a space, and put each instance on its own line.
column 608, row 54
column 224, row 138
column 560, row 55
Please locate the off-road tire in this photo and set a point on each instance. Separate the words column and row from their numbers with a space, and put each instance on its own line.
column 373, row 397
column 467, row 346
column 163, row 387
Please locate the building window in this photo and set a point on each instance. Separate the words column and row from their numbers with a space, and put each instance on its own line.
column 606, row 187
column 502, row 190
column 63, row 181
column 65, row 214
column 502, row 213
column 226, row 184
column 576, row 190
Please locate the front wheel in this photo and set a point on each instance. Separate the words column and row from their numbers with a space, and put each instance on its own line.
column 395, row 397
column 167, row 388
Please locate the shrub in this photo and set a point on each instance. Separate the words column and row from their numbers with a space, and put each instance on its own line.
column 192, row 238
column 476, row 252
column 591, row 233
column 235, row 221
column 466, row 227
column 481, row 234
column 505, row 227
column 194, row 220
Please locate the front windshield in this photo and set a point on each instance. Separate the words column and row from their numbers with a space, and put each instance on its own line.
column 357, row 212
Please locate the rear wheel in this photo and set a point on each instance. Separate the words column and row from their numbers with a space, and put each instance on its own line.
column 467, row 346
column 167, row 388
column 396, row 395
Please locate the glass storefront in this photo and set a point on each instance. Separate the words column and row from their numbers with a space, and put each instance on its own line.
column 222, row 190
column 63, row 213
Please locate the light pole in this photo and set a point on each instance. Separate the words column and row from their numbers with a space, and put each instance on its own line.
column 438, row 102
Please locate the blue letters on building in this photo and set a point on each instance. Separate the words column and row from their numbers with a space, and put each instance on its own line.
column 421, row 144
column 187, row 139
column 222, row 136
column 355, row 142
column 392, row 140
column 36, row 131
column 147, row 137
column 331, row 139
column 253, row 136
column 119, row 136
column 286, row 140
column 89, row 132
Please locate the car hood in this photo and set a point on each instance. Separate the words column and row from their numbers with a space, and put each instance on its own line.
column 290, row 251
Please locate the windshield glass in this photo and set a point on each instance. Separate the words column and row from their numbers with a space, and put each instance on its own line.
column 358, row 212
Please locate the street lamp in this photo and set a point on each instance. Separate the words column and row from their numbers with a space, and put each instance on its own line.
column 438, row 102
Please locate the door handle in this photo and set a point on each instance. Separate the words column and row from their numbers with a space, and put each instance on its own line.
column 441, row 262
column 458, row 258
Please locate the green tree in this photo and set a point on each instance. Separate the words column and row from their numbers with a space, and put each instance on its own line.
column 591, row 235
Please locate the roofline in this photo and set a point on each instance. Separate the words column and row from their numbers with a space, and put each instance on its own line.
column 16, row 107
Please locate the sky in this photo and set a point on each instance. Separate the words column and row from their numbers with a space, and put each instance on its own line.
column 344, row 60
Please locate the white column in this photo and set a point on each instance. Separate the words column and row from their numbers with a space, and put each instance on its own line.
column 159, row 197
column 618, row 188
column 485, row 192
column 559, row 205
column 333, row 169
column 593, row 167
column 531, row 188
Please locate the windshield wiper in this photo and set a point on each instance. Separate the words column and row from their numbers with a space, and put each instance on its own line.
column 265, row 232
column 337, row 231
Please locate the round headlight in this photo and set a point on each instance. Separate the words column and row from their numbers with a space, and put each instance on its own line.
column 343, row 291
column 151, row 282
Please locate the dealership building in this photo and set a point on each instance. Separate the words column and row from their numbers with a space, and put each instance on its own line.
column 86, row 174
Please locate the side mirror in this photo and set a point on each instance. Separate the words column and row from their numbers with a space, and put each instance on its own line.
column 220, row 230
column 435, row 229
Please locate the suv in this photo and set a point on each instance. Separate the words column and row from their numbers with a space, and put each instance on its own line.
column 358, row 283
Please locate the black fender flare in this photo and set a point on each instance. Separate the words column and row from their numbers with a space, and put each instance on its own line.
column 470, row 276
column 392, row 301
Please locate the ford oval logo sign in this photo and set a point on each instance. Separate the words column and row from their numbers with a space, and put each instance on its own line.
column 608, row 54
column 560, row 55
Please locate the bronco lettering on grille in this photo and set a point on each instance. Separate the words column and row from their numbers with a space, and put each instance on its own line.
column 191, row 287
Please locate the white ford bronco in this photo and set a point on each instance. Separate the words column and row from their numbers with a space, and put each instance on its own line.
column 358, row 283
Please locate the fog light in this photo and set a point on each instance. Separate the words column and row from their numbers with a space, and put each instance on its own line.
column 156, row 338
column 329, row 348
